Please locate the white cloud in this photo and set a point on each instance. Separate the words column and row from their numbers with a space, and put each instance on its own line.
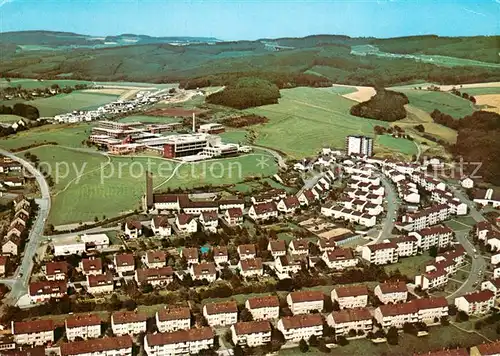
column 474, row 12
column 3, row 2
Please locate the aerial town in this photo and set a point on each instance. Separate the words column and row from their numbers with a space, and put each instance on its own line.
column 183, row 196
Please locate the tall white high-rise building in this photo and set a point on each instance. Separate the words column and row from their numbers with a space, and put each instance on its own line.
column 361, row 145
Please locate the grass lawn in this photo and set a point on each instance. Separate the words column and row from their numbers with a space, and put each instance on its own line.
column 67, row 135
column 439, row 337
column 10, row 118
column 64, row 103
column 236, row 136
column 445, row 102
column 340, row 90
column 307, row 119
column 468, row 220
column 397, row 144
column 149, row 119
column 480, row 91
column 410, row 266
column 456, row 225
column 91, row 184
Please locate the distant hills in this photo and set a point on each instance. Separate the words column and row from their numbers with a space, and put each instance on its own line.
column 288, row 62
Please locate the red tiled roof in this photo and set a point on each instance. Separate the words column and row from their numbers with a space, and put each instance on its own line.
column 134, row 224
column 263, row 302
column 160, row 221
column 350, row 315
column 190, row 253
column 83, row 320
column 33, row 326
column 185, row 218
column 302, row 321
column 156, row 256
column 393, row 287
column 204, row 269
column 479, row 296
column 291, row 202
column 100, row 280
column 220, row 251
column 47, row 287
column 252, row 327
column 382, row 246
column 263, row 208
column 431, row 303
column 126, row 317
column 124, row 259
column 300, row 244
column 277, row 245
column 53, row 268
column 306, row 296
column 221, row 307
column 351, row 291
column 247, row 249
column 251, row 264
column 209, row 216
column 3, row 260
column 437, row 229
column 340, row 254
column 194, row 334
column 235, row 213
column 398, row 309
column 92, row 264
column 491, row 348
column 96, row 345
column 151, row 274
column 174, row 314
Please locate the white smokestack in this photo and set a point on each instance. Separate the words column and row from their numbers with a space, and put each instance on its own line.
column 194, row 124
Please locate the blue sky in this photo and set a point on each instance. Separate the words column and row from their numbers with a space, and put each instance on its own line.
column 251, row 19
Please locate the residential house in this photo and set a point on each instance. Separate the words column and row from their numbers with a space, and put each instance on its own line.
column 220, row 255
column 155, row 259
column 301, row 327
column 180, row 342
column 263, row 211
column 12, row 246
column 173, row 319
column 124, row 263
column 128, row 323
column 305, row 302
column 343, row 321
column 476, row 303
column 288, row 205
column 406, row 245
column 100, row 284
column 204, row 270
column 209, row 220
column 277, row 248
column 307, row 197
column 34, row 332
column 56, row 271
column 107, row 346
column 380, row 253
column 3, row 265
column 83, row 326
column 431, row 310
column 161, row 226
column 247, row 251
column 133, row 229
column 288, row 264
column 439, row 236
column 432, row 278
column 299, row 247
column 234, row 216
column 190, row 254
column 391, row 292
column 396, row 314
column 353, row 296
column 154, row 276
column 251, row 333
column 91, row 266
column 43, row 291
column 251, row 267
column 221, row 313
column 339, row 259
column 186, row 223
column 263, row 308
column 326, row 244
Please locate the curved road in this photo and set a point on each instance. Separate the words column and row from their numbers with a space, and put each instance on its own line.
column 19, row 283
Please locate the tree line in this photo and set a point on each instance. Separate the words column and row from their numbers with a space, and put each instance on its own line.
column 24, row 110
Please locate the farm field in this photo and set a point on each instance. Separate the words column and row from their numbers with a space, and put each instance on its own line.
column 490, row 102
column 402, row 145
column 445, row 102
column 10, row 118
column 481, row 91
column 97, row 185
column 66, row 135
column 36, row 84
column 307, row 119
column 64, row 103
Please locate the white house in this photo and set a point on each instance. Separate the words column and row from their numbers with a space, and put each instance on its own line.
column 154, row 276
column 348, row 297
column 43, row 291
column 220, row 255
column 84, row 326
column 380, row 253
column 124, row 263
column 100, row 283
column 186, row 223
column 288, row 205
column 396, row 314
column 391, row 292
column 263, row 211
column 221, row 314
column 128, row 323
column 299, row 247
column 263, row 308
column 251, row 333
column 305, row 302
column 350, row 319
column 161, row 226
column 340, row 259
column 204, row 270
column 95, row 241
column 190, row 254
column 155, row 259
column 209, row 220
column 277, row 248
column 56, row 271
column 108, row 346
column 251, row 267
column 35, row 332
column 431, row 310
column 173, row 319
column 234, row 216
column 180, row 342
column 133, row 229
column 247, row 251
column 476, row 303
column 287, row 264
column 301, row 327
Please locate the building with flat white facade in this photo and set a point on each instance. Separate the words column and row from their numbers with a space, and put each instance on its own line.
column 251, row 333
column 298, row 327
column 180, row 342
column 128, row 323
column 68, row 246
column 391, row 292
column 348, row 297
column 263, row 308
column 84, row 326
column 359, row 145
column 380, row 253
column 173, row 319
column 350, row 319
column 476, row 303
column 221, row 314
column 35, row 332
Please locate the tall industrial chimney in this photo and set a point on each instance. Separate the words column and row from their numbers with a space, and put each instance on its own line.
column 194, row 123
column 149, row 191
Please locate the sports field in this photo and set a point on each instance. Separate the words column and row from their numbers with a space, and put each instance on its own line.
column 307, row 119
column 445, row 102
column 66, row 135
column 402, row 145
column 92, row 184
column 65, row 103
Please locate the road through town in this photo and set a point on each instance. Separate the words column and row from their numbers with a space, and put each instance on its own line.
column 19, row 282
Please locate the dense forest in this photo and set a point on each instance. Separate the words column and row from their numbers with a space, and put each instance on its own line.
column 27, row 111
column 246, row 93
column 478, row 142
column 385, row 105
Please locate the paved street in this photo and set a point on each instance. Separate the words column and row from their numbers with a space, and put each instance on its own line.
column 387, row 225
column 19, row 283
